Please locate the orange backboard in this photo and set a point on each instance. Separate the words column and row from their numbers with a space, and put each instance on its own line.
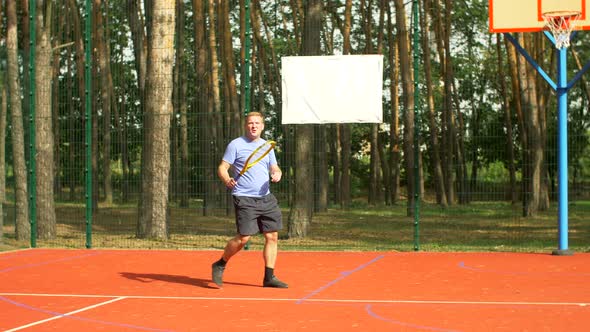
column 527, row 15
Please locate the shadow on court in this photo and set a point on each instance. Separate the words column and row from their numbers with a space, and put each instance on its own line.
column 176, row 279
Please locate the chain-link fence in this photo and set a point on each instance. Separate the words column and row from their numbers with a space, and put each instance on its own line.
column 91, row 113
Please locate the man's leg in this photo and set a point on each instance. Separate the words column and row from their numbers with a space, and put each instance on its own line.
column 270, row 258
column 271, row 240
column 232, row 247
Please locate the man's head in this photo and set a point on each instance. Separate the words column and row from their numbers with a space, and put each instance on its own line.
column 254, row 125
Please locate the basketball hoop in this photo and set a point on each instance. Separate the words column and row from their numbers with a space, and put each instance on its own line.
column 561, row 24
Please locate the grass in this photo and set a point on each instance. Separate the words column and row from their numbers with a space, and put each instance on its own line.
column 481, row 226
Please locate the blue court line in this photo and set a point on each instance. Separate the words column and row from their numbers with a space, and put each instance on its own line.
column 47, row 262
column 540, row 273
column 369, row 310
column 57, row 314
column 343, row 275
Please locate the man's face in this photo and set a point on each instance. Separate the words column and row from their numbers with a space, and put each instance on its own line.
column 254, row 127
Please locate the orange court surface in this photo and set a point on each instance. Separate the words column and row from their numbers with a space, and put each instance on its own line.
column 159, row 290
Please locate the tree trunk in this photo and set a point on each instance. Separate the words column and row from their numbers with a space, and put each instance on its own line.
column 507, row 121
column 543, row 94
column 336, row 150
column 375, row 192
column 138, row 27
column 333, row 131
column 534, row 151
column 345, row 129
column 212, row 193
column 579, row 66
column 73, row 108
column 22, row 225
column 214, row 115
column 385, row 171
column 408, row 101
column 345, row 154
column 242, row 48
column 3, row 111
column 158, row 114
column 95, row 193
column 450, row 160
column 24, row 40
column 273, row 76
column 321, row 166
column 76, row 108
column 517, row 103
column 447, row 122
column 180, row 166
column 106, row 98
column 44, row 142
column 436, row 168
column 300, row 215
column 461, row 157
column 229, row 73
column 382, row 167
column 394, row 141
column 55, row 110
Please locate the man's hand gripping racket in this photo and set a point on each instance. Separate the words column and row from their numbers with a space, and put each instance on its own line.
column 256, row 156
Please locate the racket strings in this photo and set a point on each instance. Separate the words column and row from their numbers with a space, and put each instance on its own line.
column 257, row 155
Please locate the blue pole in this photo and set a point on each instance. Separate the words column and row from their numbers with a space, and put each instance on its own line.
column 562, row 88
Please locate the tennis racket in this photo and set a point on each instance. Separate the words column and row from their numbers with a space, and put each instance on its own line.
column 257, row 155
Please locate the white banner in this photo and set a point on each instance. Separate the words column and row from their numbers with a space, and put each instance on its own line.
column 332, row 89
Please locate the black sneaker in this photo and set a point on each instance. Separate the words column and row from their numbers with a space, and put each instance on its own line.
column 217, row 274
column 275, row 283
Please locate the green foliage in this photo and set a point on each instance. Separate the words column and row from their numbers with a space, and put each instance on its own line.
column 584, row 160
column 494, row 172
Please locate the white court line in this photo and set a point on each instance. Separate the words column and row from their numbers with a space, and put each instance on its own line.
column 66, row 314
column 203, row 298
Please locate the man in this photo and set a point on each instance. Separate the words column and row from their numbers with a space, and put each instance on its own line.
column 257, row 210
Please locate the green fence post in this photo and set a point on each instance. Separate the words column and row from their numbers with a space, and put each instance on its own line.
column 247, row 46
column 416, row 48
column 88, row 118
column 32, row 149
column 246, row 69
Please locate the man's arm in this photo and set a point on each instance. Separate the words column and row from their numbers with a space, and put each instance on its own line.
column 275, row 173
column 223, row 174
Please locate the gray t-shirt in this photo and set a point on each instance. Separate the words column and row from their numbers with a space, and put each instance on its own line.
column 256, row 181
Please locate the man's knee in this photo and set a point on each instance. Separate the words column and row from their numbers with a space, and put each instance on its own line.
column 271, row 236
column 241, row 239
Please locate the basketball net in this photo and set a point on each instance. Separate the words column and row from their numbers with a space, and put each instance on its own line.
column 561, row 24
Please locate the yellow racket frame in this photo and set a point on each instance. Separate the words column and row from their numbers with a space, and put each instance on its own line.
column 249, row 164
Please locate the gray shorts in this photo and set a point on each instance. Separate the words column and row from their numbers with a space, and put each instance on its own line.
column 257, row 214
